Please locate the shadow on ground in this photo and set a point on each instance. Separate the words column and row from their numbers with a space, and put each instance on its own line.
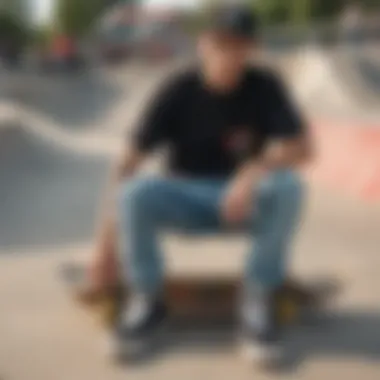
column 345, row 335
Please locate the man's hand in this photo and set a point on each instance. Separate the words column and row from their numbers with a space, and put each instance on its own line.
column 127, row 165
column 238, row 203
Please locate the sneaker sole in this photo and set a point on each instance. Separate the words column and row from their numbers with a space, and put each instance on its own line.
column 263, row 356
column 135, row 350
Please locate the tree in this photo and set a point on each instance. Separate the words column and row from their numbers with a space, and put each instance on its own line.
column 325, row 10
column 42, row 36
column 304, row 11
column 371, row 4
column 271, row 11
column 12, row 30
column 17, row 9
column 300, row 11
column 75, row 17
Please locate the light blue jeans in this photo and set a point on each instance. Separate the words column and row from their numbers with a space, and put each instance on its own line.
column 151, row 205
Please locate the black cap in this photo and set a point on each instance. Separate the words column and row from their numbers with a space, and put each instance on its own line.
column 236, row 20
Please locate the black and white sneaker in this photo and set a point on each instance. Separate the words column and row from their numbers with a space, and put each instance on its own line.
column 260, row 330
column 134, row 334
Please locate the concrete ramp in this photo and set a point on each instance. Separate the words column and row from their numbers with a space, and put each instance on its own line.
column 51, row 182
column 52, row 171
column 339, row 91
column 48, row 195
column 367, row 69
column 337, row 83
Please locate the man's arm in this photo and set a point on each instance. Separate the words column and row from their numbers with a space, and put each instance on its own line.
column 279, row 154
column 288, row 141
column 125, row 167
column 288, row 145
column 153, row 129
column 128, row 164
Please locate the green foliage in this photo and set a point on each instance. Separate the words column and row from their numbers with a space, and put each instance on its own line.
column 42, row 36
column 371, row 4
column 303, row 11
column 75, row 17
column 322, row 9
column 280, row 11
column 271, row 11
column 12, row 30
column 192, row 23
column 300, row 11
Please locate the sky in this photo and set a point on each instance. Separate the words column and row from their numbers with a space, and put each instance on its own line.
column 42, row 8
column 184, row 3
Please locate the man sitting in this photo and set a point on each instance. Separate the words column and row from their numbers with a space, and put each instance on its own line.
column 235, row 141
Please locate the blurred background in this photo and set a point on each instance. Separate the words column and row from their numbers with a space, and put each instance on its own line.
column 75, row 74
column 71, row 34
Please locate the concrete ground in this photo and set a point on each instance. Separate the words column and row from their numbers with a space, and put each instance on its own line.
column 43, row 336
column 48, row 202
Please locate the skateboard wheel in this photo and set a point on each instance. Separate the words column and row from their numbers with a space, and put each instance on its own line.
column 107, row 311
column 288, row 311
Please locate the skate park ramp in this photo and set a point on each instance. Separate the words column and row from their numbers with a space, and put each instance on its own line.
column 366, row 64
column 340, row 83
column 49, row 198
column 339, row 90
column 74, row 101
column 78, row 102
column 52, row 173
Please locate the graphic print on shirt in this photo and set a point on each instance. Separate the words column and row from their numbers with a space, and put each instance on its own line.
column 238, row 142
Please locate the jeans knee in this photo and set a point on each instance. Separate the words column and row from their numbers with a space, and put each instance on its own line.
column 287, row 185
column 139, row 193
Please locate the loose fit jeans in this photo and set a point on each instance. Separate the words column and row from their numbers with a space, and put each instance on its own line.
column 150, row 206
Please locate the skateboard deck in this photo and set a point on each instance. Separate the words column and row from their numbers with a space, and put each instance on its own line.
column 207, row 301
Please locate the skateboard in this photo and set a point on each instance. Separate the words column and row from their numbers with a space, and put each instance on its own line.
column 206, row 301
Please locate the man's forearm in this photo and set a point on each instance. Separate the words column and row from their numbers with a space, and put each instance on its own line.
column 278, row 155
column 126, row 166
column 286, row 154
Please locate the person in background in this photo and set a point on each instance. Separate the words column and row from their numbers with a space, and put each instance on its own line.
column 65, row 54
column 236, row 141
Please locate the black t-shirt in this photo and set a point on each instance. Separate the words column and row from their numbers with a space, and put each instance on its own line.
column 210, row 134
